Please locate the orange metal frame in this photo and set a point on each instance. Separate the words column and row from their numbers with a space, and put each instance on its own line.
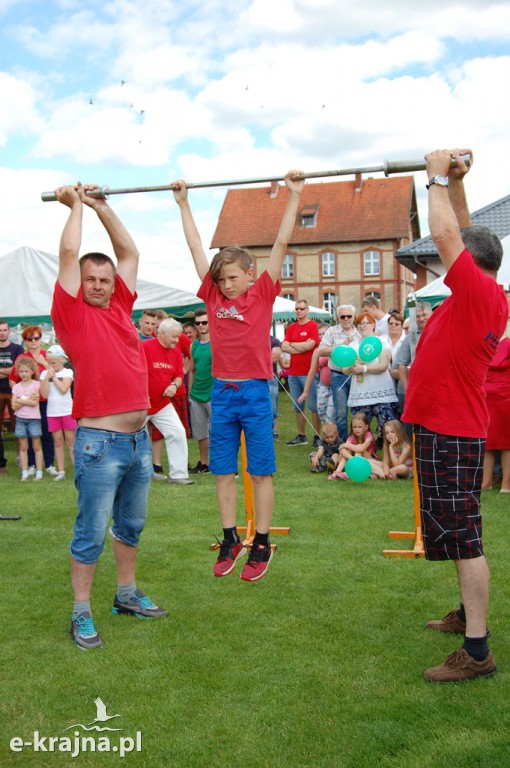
column 418, row 549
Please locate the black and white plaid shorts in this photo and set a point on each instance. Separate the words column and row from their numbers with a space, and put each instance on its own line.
column 449, row 478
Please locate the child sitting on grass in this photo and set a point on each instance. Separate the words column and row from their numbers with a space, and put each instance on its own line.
column 397, row 451
column 327, row 454
column 360, row 442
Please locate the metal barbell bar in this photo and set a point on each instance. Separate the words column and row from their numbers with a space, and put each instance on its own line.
column 388, row 167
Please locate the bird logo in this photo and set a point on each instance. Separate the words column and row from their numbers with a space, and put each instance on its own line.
column 101, row 717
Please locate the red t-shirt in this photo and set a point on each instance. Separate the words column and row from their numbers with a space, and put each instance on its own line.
column 104, row 350
column 446, row 380
column 300, row 363
column 163, row 366
column 240, row 329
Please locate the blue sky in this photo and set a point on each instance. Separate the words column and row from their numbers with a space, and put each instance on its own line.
column 224, row 89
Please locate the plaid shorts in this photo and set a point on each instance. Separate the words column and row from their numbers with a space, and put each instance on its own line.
column 449, row 477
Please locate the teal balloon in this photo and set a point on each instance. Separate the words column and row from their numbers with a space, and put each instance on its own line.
column 358, row 469
column 370, row 348
column 343, row 356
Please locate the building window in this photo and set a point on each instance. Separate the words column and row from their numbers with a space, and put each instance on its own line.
column 288, row 266
column 372, row 263
column 373, row 294
column 289, row 296
column 330, row 303
column 328, row 264
column 309, row 216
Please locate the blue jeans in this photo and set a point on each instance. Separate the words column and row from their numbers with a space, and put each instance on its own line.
column 113, row 473
column 340, row 391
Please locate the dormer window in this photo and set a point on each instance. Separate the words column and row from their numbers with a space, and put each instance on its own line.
column 309, row 216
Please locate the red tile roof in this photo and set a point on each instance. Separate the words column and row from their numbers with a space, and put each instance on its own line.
column 380, row 210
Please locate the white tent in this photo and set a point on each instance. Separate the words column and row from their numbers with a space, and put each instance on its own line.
column 284, row 309
column 28, row 277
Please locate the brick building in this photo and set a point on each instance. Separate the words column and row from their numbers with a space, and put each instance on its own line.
column 344, row 244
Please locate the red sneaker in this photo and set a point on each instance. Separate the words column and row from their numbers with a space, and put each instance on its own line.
column 256, row 566
column 229, row 555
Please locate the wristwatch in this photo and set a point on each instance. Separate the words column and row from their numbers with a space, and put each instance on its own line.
column 441, row 181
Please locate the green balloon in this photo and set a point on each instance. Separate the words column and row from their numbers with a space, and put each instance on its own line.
column 358, row 469
column 370, row 348
column 343, row 356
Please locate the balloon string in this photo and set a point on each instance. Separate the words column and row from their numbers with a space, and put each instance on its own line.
column 296, row 405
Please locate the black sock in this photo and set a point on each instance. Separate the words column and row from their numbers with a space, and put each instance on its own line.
column 230, row 534
column 462, row 613
column 476, row 647
column 261, row 538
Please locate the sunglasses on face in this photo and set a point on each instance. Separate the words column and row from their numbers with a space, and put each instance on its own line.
column 201, row 322
column 345, row 317
column 33, row 338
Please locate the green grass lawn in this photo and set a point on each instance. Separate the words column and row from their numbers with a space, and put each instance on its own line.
column 318, row 665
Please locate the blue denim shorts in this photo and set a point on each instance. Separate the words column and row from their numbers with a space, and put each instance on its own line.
column 113, row 473
column 27, row 427
column 296, row 387
column 241, row 406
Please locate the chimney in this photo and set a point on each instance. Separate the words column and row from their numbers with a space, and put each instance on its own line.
column 358, row 183
column 274, row 188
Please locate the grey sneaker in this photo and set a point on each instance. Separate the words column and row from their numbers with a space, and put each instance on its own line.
column 142, row 607
column 298, row 440
column 52, row 471
column 180, row 480
column 84, row 632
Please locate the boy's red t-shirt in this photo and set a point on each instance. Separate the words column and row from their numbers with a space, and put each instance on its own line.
column 240, row 329
column 446, row 380
column 104, row 350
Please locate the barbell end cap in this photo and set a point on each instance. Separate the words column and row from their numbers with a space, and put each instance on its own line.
column 48, row 197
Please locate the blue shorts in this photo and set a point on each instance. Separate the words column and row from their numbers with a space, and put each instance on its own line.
column 27, row 427
column 241, row 406
column 273, row 392
column 296, row 386
column 113, row 473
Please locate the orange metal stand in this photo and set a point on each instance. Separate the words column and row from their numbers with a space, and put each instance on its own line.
column 418, row 549
column 249, row 504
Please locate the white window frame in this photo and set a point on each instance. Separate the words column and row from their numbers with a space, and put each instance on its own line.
column 372, row 263
column 328, row 264
column 288, row 266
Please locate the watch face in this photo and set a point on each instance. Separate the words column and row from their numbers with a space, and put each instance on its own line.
column 441, row 180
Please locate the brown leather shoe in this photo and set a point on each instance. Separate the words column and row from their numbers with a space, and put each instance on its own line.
column 460, row 666
column 450, row 623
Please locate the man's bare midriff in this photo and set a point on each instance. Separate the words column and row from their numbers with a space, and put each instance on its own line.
column 129, row 421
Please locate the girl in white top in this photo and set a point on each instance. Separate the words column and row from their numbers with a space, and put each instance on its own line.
column 56, row 386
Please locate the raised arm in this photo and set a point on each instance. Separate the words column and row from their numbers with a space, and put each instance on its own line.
column 456, row 189
column 122, row 243
column 70, row 240
column 191, row 233
column 443, row 224
column 295, row 187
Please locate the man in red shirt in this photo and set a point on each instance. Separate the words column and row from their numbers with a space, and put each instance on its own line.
column 165, row 369
column 91, row 313
column 445, row 402
column 300, row 340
